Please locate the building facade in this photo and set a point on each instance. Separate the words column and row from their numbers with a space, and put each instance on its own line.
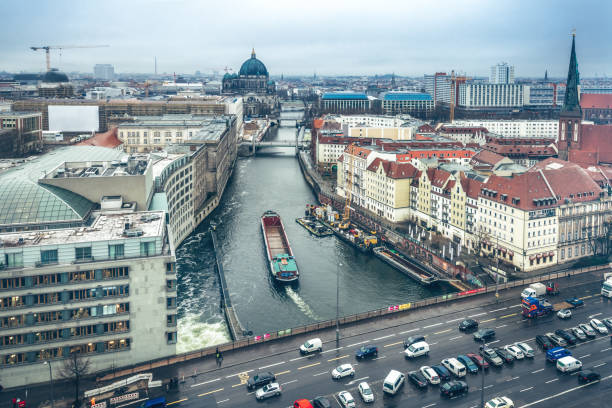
column 487, row 95
column 537, row 129
column 346, row 102
column 105, row 72
column 502, row 73
column 394, row 103
column 22, row 133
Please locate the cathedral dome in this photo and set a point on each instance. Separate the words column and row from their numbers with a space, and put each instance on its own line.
column 55, row 76
column 253, row 66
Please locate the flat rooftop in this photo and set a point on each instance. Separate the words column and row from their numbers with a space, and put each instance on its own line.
column 132, row 165
column 105, row 228
column 204, row 121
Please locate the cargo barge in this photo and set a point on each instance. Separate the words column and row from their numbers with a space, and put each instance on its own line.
column 404, row 265
column 314, row 226
column 281, row 261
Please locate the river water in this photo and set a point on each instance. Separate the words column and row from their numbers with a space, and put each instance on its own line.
column 272, row 180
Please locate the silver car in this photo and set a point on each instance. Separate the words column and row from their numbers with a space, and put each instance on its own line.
column 366, row 392
column 346, row 399
column 577, row 331
column 267, row 391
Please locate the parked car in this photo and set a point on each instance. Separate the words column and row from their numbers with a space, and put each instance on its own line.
column 343, row 370
column 302, row 403
column 567, row 336
column 478, row 360
column 430, row 374
column 416, row 350
column 500, row 402
column 586, row 376
column 564, row 314
column 454, row 366
column 468, row 324
column 574, row 301
column 491, row 356
column 588, row 330
column 366, row 392
column 468, row 363
column 506, row 356
column 444, row 374
column 413, row 339
column 556, row 353
column 526, row 349
column 453, row 388
column 484, row 334
column 321, row 402
column 268, row 390
column 544, row 342
column 599, row 326
column 366, row 351
column 578, row 333
column 346, row 399
column 417, row 379
column 515, row 351
column 556, row 340
column 608, row 322
column 260, row 379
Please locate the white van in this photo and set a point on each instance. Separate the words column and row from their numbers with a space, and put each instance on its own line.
column 568, row 364
column 311, row 346
column 393, row 381
column 417, row 349
column 454, row 366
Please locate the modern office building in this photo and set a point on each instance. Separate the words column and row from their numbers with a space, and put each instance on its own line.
column 438, row 86
column 21, row 133
column 105, row 72
column 486, row 95
column 502, row 73
column 537, row 129
column 394, row 103
column 346, row 102
column 547, row 94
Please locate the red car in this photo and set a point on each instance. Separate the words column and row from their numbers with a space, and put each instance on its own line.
column 478, row 360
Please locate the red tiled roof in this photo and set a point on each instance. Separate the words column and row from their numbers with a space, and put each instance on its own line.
column 394, row 170
column 437, row 177
column 569, row 181
column 426, row 128
column 107, row 139
column 471, row 187
column 521, row 150
column 486, row 157
column 525, row 188
column 596, row 145
column 596, row 101
column 357, row 151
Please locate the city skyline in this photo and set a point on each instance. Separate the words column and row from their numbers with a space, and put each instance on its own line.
column 330, row 39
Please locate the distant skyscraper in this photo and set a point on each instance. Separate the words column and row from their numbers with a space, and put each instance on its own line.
column 104, row 71
column 502, row 73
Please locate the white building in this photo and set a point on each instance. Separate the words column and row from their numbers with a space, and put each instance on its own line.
column 438, row 86
column 502, row 73
column 516, row 128
column 105, row 72
column 486, row 95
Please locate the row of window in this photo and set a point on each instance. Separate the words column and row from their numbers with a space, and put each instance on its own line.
column 63, row 296
column 64, row 278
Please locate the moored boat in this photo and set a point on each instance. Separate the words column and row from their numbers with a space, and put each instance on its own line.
column 282, row 263
column 404, row 265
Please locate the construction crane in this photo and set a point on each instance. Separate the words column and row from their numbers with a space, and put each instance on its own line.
column 47, row 48
column 452, row 97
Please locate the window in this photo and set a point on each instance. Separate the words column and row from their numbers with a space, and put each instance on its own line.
column 48, row 256
column 13, row 260
column 83, row 253
column 147, row 248
column 116, row 251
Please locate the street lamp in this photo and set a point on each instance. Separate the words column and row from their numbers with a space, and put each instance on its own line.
column 482, row 401
column 338, row 303
column 51, row 381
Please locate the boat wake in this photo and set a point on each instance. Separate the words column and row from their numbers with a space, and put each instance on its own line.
column 301, row 304
column 196, row 332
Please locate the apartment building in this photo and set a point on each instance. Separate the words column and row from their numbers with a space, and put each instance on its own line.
column 487, row 95
column 537, row 129
column 465, row 134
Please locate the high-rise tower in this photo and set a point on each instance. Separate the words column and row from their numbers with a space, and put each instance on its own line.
column 571, row 113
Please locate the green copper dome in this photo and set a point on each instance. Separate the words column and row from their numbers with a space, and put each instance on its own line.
column 253, row 66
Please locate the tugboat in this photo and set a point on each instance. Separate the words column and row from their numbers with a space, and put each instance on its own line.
column 283, row 266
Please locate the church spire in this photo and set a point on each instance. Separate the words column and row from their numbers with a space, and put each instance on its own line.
column 253, row 53
column 572, row 97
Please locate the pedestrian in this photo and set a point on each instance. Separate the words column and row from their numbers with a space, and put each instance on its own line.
column 218, row 357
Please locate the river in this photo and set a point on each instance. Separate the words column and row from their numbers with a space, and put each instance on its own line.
column 272, row 180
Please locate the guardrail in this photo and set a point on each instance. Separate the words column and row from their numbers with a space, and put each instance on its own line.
column 346, row 320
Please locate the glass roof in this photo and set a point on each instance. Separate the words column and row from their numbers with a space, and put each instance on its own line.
column 23, row 200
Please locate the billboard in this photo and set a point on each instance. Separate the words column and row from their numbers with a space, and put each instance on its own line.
column 67, row 118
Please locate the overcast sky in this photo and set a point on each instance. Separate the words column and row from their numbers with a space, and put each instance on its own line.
column 301, row 37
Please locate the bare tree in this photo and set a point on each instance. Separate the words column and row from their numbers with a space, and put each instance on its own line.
column 481, row 236
column 74, row 369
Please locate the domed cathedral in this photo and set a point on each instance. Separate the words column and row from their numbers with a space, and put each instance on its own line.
column 253, row 83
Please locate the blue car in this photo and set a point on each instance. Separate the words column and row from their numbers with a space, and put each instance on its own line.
column 574, row 301
column 366, row 351
column 442, row 372
column 468, row 363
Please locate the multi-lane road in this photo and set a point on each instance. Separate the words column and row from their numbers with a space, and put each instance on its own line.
column 529, row 383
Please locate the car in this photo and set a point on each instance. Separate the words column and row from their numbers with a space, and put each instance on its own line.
column 260, row 379
column 544, row 342
column 430, row 374
column 578, row 333
column 608, row 322
column 484, row 334
column 526, row 349
column 468, row 363
column 454, row 366
column 556, row 353
column 468, row 324
column 599, row 326
column 346, row 399
column 500, row 402
column 567, row 336
column 442, row 372
column 366, row 351
column 574, row 301
column 586, row 376
column 302, row 403
column 268, row 390
column 366, row 392
column 311, row 346
column 321, row 402
column 516, row 352
column 417, row 349
column 506, row 356
column 564, row 314
column 478, row 360
column 491, row 356
column 588, row 330
column 417, row 379
column 556, row 340
column 453, row 388
column 413, row 339
column 343, row 370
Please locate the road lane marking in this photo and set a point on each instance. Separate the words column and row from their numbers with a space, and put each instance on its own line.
column 488, row 386
column 606, row 349
column 324, row 372
column 329, row 351
column 271, row 365
column 599, row 365
column 409, row 331
column 493, row 342
column 525, row 341
column 595, row 315
column 358, row 379
column 509, row 307
column 384, row 337
column 338, row 358
column 508, row 315
column 433, row 344
column 479, row 314
column 379, row 358
column 176, row 402
column 513, row 378
column 393, row 344
column 537, row 371
column 443, row 331
column 309, row 365
column 585, row 356
column 561, row 393
column 526, row 389
column 298, row 358
column 289, row 382
column 586, row 297
column 497, row 310
column 236, row 385
column 499, row 327
column 430, row 405
column 455, row 320
column 455, row 338
column 356, row 344
column 433, row 325
column 210, row 392
column 553, row 380
column 282, row 372
column 489, row 320
column 238, row 374
column 219, row 402
column 205, row 382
